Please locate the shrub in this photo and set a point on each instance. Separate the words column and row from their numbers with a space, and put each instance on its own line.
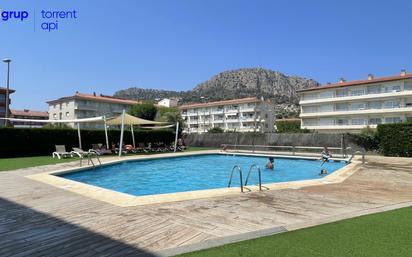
column 289, row 126
column 17, row 142
column 215, row 130
column 395, row 139
column 367, row 139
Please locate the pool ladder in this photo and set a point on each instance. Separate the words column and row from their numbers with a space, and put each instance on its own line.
column 237, row 167
column 258, row 171
column 90, row 156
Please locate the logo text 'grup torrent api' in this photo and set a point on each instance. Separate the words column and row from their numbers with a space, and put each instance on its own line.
column 49, row 20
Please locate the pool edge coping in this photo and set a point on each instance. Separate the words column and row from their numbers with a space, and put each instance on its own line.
column 126, row 200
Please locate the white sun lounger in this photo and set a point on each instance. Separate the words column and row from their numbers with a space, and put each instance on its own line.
column 61, row 152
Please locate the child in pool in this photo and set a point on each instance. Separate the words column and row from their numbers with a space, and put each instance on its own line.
column 270, row 164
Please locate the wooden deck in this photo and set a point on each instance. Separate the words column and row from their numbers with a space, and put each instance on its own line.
column 37, row 219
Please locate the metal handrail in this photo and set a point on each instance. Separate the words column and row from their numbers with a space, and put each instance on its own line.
column 259, row 173
column 90, row 154
column 240, row 175
column 362, row 153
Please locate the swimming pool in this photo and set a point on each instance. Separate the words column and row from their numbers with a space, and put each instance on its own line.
column 197, row 172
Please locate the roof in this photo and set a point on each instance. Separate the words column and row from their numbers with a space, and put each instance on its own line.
column 358, row 82
column 10, row 90
column 225, row 102
column 98, row 98
column 30, row 113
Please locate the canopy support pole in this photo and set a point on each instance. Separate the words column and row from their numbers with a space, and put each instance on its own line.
column 131, row 127
column 105, row 133
column 177, row 130
column 121, row 134
column 80, row 136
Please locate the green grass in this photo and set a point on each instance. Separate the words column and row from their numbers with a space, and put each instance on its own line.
column 383, row 234
column 27, row 162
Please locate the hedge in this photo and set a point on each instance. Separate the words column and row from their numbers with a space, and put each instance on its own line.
column 289, row 126
column 17, row 142
column 395, row 139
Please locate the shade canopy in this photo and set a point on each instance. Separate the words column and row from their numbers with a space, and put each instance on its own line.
column 131, row 120
column 85, row 120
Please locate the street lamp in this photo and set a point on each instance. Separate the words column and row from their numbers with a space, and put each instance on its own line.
column 7, row 60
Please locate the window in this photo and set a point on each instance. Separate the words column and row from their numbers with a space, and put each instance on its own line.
column 374, row 89
column 357, row 92
column 392, row 104
column 60, row 116
column 408, row 85
column 342, row 121
column 310, row 109
column 375, row 121
column 396, row 88
column 342, row 107
column 393, row 120
column 327, row 94
column 310, row 122
column 375, row 105
column 341, row 93
column 54, row 115
column 358, row 106
column 67, row 114
column 310, row 96
column 326, row 108
column 326, row 121
column 358, row 121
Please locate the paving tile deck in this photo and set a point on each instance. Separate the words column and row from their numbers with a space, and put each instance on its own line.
column 37, row 219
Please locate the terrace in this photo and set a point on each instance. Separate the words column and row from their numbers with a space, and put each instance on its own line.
column 86, row 226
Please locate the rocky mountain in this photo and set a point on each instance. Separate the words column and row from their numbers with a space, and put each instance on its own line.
column 232, row 84
column 254, row 82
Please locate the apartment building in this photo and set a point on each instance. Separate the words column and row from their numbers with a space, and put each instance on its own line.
column 243, row 115
column 353, row 105
column 166, row 102
column 28, row 114
column 82, row 105
column 3, row 104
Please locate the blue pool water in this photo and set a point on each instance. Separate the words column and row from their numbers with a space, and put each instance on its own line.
column 179, row 174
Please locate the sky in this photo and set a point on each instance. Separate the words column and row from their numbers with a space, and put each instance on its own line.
column 177, row 44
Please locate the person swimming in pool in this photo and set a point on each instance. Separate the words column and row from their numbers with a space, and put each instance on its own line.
column 325, row 155
column 271, row 163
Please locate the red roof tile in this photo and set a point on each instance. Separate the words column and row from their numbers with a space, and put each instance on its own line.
column 99, row 98
column 358, row 82
column 30, row 113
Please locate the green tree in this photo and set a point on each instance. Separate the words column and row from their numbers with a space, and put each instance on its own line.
column 145, row 111
column 171, row 115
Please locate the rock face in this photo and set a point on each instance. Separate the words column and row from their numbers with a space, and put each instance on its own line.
column 232, row 84
column 254, row 82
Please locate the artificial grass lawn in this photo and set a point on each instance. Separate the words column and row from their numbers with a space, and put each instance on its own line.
column 26, row 162
column 384, row 234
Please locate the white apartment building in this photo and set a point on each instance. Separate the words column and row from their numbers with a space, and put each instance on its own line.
column 81, row 106
column 168, row 102
column 351, row 106
column 243, row 115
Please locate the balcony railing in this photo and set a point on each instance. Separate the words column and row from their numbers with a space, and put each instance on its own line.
column 358, row 109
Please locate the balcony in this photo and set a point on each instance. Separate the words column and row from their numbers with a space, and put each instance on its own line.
column 251, row 109
column 86, row 107
column 400, row 109
column 219, row 111
column 382, row 95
